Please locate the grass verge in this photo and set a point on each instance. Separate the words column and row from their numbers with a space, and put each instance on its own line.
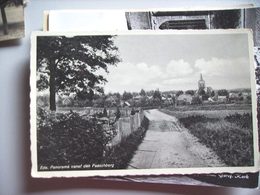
column 229, row 138
column 121, row 154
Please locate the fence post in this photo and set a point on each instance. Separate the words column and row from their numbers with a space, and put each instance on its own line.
column 119, row 129
column 135, row 121
column 131, row 123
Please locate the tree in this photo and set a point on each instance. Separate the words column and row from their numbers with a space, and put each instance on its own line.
column 126, row 96
column 190, row 92
column 157, row 95
column 212, row 94
column 202, row 92
column 205, row 97
column 226, row 19
column 179, row 93
column 196, row 100
column 142, row 92
column 223, row 92
column 71, row 63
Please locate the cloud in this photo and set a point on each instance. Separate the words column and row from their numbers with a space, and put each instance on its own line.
column 223, row 67
column 133, row 77
column 178, row 68
column 178, row 75
column 224, row 72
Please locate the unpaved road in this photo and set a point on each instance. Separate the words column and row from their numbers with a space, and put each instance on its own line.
column 168, row 145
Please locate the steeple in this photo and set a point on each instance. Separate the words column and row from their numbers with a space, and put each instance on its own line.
column 201, row 83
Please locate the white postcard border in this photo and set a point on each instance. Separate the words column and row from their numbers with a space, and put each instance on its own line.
column 162, row 171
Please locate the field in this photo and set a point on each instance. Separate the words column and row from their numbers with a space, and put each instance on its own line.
column 228, row 132
column 210, row 111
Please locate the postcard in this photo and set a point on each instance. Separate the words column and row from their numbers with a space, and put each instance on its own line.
column 12, row 20
column 143, row 103
column 186, row 19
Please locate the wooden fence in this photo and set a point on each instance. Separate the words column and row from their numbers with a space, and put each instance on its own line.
column 125, row 112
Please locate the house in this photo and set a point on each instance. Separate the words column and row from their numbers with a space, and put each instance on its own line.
column 222, row 99
column 184, row 99
column 210, row 99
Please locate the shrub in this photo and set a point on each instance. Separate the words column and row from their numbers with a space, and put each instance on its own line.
column 70, row 139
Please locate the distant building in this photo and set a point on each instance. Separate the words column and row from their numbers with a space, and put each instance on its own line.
column 222, row 99
column 184, row 99
column 201, row 83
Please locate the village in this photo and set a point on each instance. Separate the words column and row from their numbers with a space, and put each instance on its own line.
column 154, row 98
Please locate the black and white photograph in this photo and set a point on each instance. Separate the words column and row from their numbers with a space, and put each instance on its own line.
column 151, row 20
column 11, row 20
column 143, row 103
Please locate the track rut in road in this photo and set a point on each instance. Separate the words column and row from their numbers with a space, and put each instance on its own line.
column 168, row 145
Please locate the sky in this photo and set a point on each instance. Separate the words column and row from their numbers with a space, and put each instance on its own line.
column 175, row 62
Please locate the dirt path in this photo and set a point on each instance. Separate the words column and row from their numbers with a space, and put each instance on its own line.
column 168, row 145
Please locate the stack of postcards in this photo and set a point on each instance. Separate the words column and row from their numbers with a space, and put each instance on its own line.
column 157, row 96
column 11, row 20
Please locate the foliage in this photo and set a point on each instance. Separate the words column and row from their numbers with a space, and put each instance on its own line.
column 70, row 139
column 190, row 92
column 189, row 121
column 126, row 96
column 196, row 100
column 43, row 100
column 157, row 95
column 231, row 142
column 226, row 19
column 212, row 94
column 142, row 92
column 71, row 64
column 243, row 121
column 179, row 93
column 222, row 92
column 122, row 153
column 205, row 97
column 201, row 92
column 257, row 73
column 44, row 118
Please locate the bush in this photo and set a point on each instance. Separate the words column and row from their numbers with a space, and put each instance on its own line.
column 69, row 139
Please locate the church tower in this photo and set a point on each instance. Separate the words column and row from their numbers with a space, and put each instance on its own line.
column 201, row 83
